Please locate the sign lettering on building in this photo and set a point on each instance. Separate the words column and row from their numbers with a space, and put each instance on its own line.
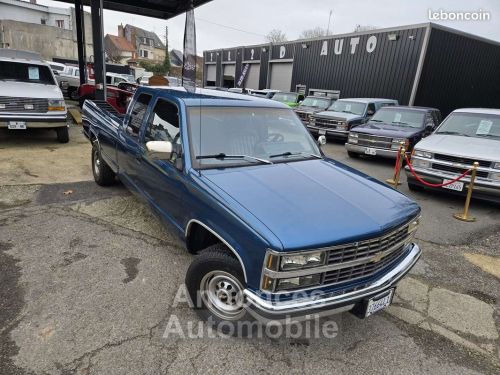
column 338, row 46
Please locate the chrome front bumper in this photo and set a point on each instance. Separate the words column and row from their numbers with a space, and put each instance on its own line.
column 266, row 310
column 332, row 132
column 385, row 153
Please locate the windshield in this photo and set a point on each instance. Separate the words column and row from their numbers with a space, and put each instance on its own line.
column 400, row 117
column 20, row 72
column 354, row 108
column 253, row 134
column 285, row 97
column 471, row 125
column 316, row 102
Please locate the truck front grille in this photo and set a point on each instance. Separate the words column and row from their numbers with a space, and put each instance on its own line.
column 457, row 170
column 327, row 123
column 461, row 160
column 304, row 116
column 23, row 105
column 374, row 141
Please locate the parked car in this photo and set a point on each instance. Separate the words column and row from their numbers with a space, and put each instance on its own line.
column 57, row 68
column 29, row 94
column 144, row 80
column 391, row 126
column 266, row 93
column 69, row 81
column 345, row 114
column 311, row 105
column 291, row 99
column 465, row 136
column 219, row 175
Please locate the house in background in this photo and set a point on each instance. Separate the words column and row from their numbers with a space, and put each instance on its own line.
column 148, row 45
column 118, row 49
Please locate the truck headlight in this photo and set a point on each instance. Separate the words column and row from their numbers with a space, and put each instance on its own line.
column 353, row 138
column 57, row 105
column 293, row 262
column 396, row 143
column 419, row 163
column 312, row 120
column 495, row 176
column 342, row 126
column 298, row 282
column 413, row 226
column 496, row 166
column 422, row 154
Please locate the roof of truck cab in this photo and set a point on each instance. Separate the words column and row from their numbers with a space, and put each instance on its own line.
column 485, row 111
column 414, row 108
column 368, row 100
column 213, row 98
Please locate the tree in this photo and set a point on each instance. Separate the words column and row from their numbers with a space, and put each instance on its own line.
column 360, row 28
column 276, row 36
column 317, row 32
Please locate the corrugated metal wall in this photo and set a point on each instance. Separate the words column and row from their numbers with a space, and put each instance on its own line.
column 387, row 72
column 264, row 67
column 459, row 72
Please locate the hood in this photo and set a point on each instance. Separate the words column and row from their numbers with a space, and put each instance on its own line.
column 314, row 203
column 29, row 90
column 387, row 130
column 469, row 147
column 340, row 115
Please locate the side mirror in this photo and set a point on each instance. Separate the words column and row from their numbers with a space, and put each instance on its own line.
column 159, row 150
column 370, row 112
column 322, row 140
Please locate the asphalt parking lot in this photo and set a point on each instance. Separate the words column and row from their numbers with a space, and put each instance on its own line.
column 89, row 278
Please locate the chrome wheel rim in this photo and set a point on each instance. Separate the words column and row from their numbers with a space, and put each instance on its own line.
column 97, row 163
column 222, row 293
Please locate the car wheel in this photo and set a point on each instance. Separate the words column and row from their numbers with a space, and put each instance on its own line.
column 215, row 284
column 103, row 174
column 73, row 94
column 352, row 154
column 62, row 134
column 414, row 187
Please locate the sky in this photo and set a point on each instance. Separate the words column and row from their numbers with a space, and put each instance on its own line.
column 217, row 21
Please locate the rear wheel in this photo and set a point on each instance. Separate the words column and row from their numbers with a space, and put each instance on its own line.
column 352, row 154
column 62, row 134
column 103, row 174
column 73, row 93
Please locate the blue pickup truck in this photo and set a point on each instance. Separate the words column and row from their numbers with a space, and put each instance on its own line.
column 279, row 229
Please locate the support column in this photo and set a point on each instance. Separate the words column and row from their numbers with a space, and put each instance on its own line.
column 98, row 41
column 80, row 40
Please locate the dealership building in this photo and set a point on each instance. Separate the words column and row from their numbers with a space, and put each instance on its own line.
column 425, row 65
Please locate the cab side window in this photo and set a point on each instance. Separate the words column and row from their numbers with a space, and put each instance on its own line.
column 163, row 124
column 137, row 115
column 371, row 109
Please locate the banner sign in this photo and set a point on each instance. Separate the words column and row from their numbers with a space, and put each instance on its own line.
column 189, row 63
column 243, row 76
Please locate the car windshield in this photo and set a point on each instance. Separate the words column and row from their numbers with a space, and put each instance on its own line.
column 316, row 102
column 285, row 97
column 471, row 125
column 20, row 72
column 345, row 106
column 400, row 117
column 232, row 137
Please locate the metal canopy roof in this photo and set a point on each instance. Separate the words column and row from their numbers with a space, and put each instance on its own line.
column 163, row 9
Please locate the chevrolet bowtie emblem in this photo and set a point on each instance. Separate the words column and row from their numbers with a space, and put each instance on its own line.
column 377, row 257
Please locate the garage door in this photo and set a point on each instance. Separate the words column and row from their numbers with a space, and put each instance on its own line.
column 211, row 72
column 281, row 76
column 229, row 70
column 252, row 80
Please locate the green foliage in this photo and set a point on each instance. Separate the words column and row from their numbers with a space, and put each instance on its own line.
column 157, row 69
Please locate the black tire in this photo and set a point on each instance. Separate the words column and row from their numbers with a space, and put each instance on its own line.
column 103, row 174
column 215, row 266
column 352, row 154
column 62, row 134
column 415, row 187
column 73, row 93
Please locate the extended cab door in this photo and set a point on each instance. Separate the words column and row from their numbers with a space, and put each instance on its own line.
column 130, row 150
column 163, row 180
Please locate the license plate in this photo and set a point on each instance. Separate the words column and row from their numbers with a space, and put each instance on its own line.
column 17, row 125
column 370, row 151
column 379, row 302
column 456, row 186
column 322, row 132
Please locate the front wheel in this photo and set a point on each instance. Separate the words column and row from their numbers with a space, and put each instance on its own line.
column 103, row 174
column 215, row 284
column 62, row 134
column 352, row 154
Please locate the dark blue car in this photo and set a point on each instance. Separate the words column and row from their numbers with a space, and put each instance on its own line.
column 278, row 228
column 389, row 128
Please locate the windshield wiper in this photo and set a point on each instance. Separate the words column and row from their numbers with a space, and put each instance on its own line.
column 401, row 123
column 352, row 113
column 452, row 133
column 288, row 153
column 375, row 120
column 223, row 156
